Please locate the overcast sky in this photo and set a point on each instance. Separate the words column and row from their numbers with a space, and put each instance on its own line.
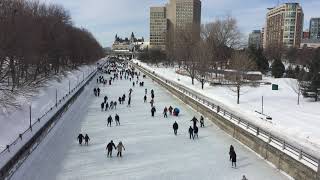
column 105, row 18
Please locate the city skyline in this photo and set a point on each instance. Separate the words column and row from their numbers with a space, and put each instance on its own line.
column 105, row 18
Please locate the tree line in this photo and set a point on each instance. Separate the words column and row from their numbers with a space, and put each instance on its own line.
column 37, row 41
column 220, row 47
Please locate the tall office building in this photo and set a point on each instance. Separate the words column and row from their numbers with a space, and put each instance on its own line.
column 180, row 15
column 314, row 28
column 255, row 39
column 284, row 25
column 158, row 27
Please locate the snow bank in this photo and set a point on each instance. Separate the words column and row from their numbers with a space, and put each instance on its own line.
column 297, row 123
column 17, row 121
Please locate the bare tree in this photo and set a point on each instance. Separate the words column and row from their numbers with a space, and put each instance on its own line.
column 296, row 85
column 222, row 36
column 240, row 64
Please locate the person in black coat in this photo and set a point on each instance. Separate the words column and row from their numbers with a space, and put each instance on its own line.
column 102, row 106
column 109, row 121
column 110, row 147
column 175, row 127
column 191, row 132
column 231, row 149
column 80, row 138
column 153, row 110
column 196, row 130
column 234, row 159
column 86, row 140
column 95, row 91
column 120, row 100
column 105, row 99
column 194, row 120
column 129, row 101
column 98, row 90
column 201, row 121
column 145, row 98
column 117, row 118
column 106, row 106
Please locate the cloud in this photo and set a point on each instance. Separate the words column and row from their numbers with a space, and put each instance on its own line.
column 105, row 18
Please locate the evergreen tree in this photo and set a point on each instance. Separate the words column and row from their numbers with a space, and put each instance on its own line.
column 277, row 68
column 259, row 58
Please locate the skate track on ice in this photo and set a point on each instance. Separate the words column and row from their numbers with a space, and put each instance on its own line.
column 152, row 151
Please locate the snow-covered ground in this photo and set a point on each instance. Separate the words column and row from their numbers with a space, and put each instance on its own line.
column 296, row 123
column 152, row 150
column 14, row 122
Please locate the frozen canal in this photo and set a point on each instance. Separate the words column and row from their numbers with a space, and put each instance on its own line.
column 152, row 150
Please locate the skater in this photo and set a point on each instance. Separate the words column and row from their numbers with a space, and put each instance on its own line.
column 115, row 104
column 145, row 98
column 175, row 127
column 123, row 98
column 109, row 120
column 105, row 99
column 95, row 90
column 133, row 84
column 129, row 101
column 191, row 132
column 119, row 147
column 80, row 138
column 98, row 90
column 170, row 110
column 117, row 118
column 130, row 91
column 201, row 121
column 165, row 111
column 145, row 91
column 111, row 105
column 152, row 96
column 152, row 91
column 86, row 139
column 151, row 102
column 102, row 106
column 106, row 106
column 234, row 159
column 109, row 147
column 153, row 110
column 244, row 177
column 194, row 120
column 119, row 99
column 231, row 150
column 196, row 130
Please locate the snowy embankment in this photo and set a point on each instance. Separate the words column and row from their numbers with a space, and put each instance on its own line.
column 298, row 124
column 16, row 122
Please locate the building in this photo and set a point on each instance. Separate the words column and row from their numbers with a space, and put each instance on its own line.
column 255, row 39
column 126, row 44
column 306, row 35
column 176, row 16
column 158, row 27
column 284, row 25
column 314, row 28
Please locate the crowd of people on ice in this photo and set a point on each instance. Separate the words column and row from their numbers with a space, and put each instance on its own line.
column 130, row 74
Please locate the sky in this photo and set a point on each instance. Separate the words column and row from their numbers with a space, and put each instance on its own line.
column 106, row 18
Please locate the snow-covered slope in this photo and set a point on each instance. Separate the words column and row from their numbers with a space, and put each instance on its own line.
column 298, row 123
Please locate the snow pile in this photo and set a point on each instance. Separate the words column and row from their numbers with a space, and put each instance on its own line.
column 297, row 123
column 17, row 121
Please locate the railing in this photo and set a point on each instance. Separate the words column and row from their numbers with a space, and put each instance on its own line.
column 279, row 143
column 10, row 151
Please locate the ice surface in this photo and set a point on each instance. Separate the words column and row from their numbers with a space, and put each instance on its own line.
column 152, row 150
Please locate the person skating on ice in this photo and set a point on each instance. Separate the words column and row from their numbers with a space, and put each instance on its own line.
column 117, row 119
column 153, row 110
column 201, row 121
column 191, row 133
column 102, row 106
column 109, row 121
column 110, row 147
column 80, row 138
column 86, row 140
column 196, row 130
column 194, row 120
column 120, row 146
column 175, row 127
column 165, row 112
